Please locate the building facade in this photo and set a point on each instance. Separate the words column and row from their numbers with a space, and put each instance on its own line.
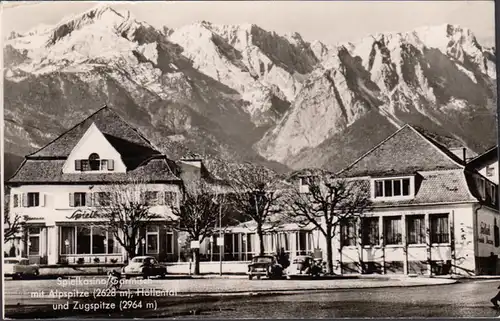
column 486, row 164
column 431, row 213
column 61, row 190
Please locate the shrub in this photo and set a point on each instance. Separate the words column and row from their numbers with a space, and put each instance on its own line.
column 97, row 260
column 80, row 260
column 114, row 260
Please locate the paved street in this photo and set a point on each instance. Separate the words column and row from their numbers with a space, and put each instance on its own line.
column 467, row 299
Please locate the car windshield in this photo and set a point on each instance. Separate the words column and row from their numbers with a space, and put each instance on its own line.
column 137, row 260
column 11, row 261
column 262, row 260
column 299, row 260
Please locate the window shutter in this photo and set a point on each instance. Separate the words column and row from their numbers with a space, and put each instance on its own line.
column 16, row 200
column 95, row 199
column 78, row 164
column 25, row 199
column 111, row 165
column 88, row 199
column 42, row 199
column 160, row 199
column 71, row 200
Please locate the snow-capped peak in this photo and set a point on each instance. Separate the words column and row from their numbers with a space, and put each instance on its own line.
column 102, row 15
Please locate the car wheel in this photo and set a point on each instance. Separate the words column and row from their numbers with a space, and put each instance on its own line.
column 20, row 276
column 127, row 276
column 163, row 275
column 250, row 276
column 258, row 277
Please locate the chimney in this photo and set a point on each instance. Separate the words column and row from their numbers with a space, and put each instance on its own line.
column 464, row 153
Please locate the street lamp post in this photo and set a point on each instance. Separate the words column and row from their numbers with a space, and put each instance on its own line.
column 221, row 238
column 143, row 241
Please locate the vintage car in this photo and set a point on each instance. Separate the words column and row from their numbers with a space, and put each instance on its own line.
column 145, row 266
column 264, row 265
column 305, row 266
column 19, row 268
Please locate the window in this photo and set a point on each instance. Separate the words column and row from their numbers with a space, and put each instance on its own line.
column 303, row 242
column 170, row 242
column 87, row 240
column 496, row 234
column 416, row 229
column 113, row 245
column 348, row 233
column 83, row 240
column 392, row 230
column 104, row 164
column 78, row 199
column 94, row 162
column 15, row 200
column 304, row 183
column 152, row 236
column 99, row 240
column 34, row 241
column 439, row 228
column 151, row 198
column 494, row 194
column 284, row 241
column 33, row 199
column 392, row 187
column 370, row 231
column 170, row 198
column 68, row 238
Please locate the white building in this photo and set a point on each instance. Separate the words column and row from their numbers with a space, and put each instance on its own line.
column 431, row 212
column 486, row 164
column 59, row 190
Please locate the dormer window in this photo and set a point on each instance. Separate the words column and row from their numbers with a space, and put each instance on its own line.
column 94, row 163
column 304, row 183
column 392, row 187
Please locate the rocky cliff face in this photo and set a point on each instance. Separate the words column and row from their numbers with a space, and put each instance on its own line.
column 244, row 93
column 439, row 78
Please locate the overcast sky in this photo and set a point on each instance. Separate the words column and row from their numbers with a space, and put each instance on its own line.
column 329, row 21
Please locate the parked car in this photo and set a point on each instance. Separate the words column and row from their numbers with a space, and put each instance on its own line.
column 145, row 266
column 265, row 265
column 19, row 268
column 305, row 266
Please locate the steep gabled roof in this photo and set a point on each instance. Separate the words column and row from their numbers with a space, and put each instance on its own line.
column 489, row 156
column 45, row 171
column 406, row 151
column 126, row 139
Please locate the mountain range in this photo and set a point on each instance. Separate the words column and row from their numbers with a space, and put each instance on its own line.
column 241, row 93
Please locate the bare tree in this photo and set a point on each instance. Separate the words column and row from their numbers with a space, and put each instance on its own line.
column 198, row 214
column 11, row 225
column 125, row 211
column 256, row 195
column 326, row 202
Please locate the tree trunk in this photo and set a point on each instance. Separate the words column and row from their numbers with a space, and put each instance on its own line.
column 196, row 260
column 131, row 252
column 260, row 234
column 329, row 253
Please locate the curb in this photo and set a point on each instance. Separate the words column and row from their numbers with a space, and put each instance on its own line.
column 300, row 291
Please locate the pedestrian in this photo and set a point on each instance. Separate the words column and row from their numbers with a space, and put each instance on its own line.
column 496, row 298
